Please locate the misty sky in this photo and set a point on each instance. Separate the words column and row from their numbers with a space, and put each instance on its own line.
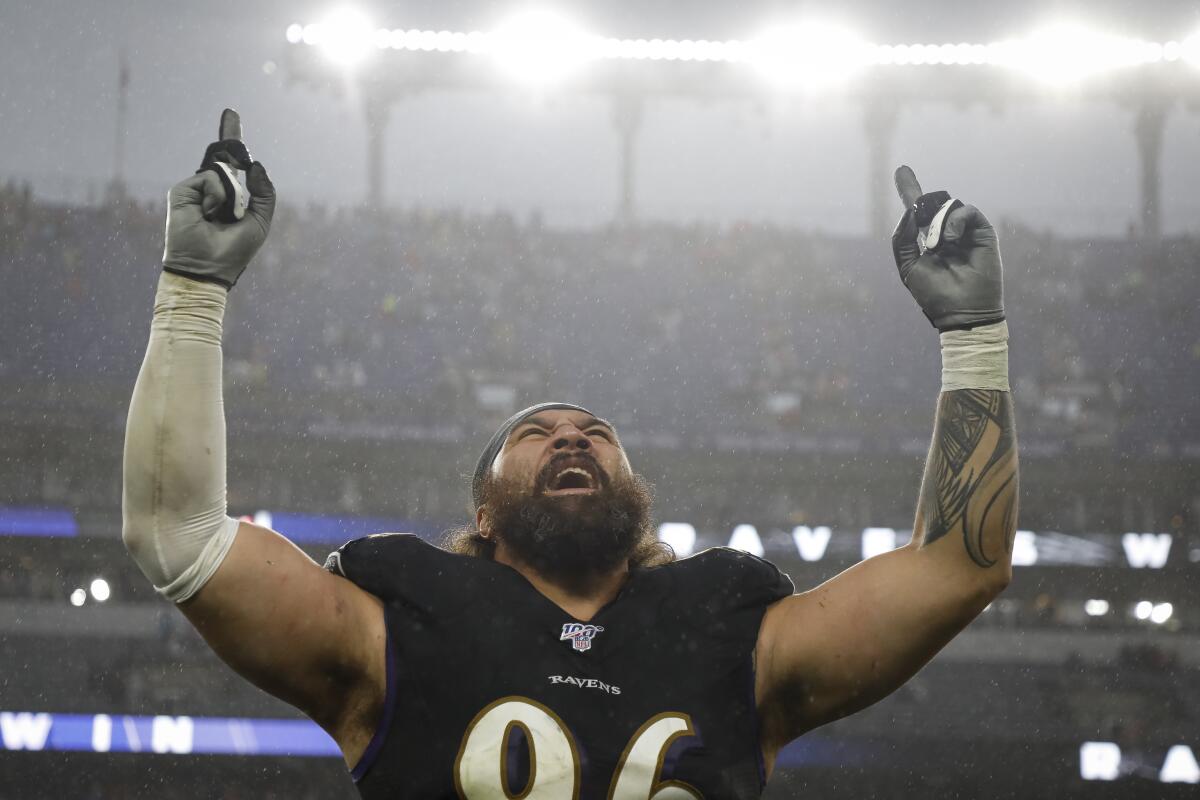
column 1060, row 162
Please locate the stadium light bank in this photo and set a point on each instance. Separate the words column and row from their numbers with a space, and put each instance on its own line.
column 541, row 51
column 542, row 47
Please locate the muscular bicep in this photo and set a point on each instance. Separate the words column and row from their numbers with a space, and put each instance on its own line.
column 857, row 637
column 311, row 638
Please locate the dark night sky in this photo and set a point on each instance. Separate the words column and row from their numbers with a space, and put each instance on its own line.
column 1060, row 162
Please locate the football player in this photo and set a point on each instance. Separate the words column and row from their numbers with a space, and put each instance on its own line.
column 556, row 649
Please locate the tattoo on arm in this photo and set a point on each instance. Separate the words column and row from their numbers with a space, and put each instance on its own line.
column 970, row 482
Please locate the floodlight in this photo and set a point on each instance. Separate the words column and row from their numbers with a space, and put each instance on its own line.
column 475, row 42
column 889, row 54
column 1096, row 608
column 1143, row 610
column 100, row 590
column 346, row 37
column 1064, row 54
column 1190, row 49
column 541, row 47
column 965, row 53
column 1161, row 613
column 78, row 597
column 808, row 56
column 727, row 51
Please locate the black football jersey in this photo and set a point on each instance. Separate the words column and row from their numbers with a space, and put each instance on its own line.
column 493, row 691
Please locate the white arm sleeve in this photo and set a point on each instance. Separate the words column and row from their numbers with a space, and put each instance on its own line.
column 174, row 520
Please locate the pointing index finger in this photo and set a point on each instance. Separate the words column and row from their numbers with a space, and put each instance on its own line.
column 907, row 185
column 230, row 131
column 231, row 125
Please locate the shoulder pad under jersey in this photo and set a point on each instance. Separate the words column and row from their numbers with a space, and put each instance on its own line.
column 402, row 567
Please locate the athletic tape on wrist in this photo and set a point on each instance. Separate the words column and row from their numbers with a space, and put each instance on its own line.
column 976, row 358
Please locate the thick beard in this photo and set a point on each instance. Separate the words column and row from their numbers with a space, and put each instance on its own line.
column 574, row 540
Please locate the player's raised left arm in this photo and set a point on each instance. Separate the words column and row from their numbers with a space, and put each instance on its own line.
column 856, row 638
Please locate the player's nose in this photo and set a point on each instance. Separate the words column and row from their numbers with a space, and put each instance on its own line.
column 568, row 437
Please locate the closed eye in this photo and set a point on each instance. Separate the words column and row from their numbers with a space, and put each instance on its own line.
column 600, row 432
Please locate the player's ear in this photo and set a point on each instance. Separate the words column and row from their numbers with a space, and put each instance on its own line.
column 483, row 522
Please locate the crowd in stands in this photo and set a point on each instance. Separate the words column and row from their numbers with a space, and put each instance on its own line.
column 718, row 340
column 430, row 318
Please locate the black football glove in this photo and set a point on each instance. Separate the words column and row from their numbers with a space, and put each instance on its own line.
column 948, row 257
column 212, row 230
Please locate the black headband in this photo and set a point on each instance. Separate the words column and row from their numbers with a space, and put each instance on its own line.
column 488, row 456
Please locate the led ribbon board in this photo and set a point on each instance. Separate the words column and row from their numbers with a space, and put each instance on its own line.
column 164, row 735
column 105, row 733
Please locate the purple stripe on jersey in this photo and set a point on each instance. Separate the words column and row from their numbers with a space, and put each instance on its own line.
column 758, row 750
column 385, row 722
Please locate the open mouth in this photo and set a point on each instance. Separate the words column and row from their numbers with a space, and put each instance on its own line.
column 573, row 479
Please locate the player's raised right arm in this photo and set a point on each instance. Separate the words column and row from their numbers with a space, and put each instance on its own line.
column 309, row 637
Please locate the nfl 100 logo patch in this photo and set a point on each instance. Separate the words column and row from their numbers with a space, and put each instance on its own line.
column 581, row 635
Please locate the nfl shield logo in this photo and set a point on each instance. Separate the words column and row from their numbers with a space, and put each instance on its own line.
column 580, row 635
